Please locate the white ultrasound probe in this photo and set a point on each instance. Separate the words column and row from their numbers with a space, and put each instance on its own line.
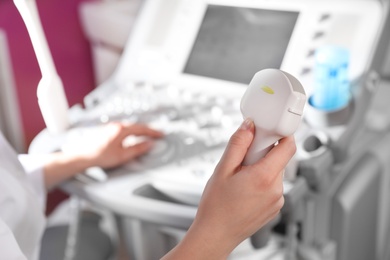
column 274, row 100
column 51, row 96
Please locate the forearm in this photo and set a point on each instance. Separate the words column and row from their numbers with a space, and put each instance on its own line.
column 61, row 167
column 202, row 243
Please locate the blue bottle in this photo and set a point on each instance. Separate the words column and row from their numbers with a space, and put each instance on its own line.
column 331, row 82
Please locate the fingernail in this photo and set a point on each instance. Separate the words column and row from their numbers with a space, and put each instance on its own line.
column 247, row 124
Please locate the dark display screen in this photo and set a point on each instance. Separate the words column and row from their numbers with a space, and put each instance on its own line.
column 233, row 43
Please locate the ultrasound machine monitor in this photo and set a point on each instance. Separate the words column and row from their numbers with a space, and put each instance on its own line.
column 233, row 43
column 216, row 46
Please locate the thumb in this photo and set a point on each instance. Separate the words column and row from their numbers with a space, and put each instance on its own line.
column 237, row 147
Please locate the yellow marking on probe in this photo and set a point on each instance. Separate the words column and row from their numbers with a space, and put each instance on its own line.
column 268, row 90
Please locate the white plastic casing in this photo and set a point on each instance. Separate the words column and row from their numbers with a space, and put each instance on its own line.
column 275, row 101
column 53, row 104
column 51, row 95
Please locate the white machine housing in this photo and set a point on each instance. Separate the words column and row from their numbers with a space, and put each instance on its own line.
column 170, row 46
column 191, row 48
column 166, row 32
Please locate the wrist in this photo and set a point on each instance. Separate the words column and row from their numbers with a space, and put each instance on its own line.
column 61, row 166
column 85, row 161
column 202, row 243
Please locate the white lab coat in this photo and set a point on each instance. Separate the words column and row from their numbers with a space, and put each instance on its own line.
column 22, row 204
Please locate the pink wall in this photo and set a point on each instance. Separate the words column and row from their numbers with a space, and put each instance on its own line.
column 70, row 50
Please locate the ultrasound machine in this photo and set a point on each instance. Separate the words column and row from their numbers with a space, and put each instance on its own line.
column 184, row 69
